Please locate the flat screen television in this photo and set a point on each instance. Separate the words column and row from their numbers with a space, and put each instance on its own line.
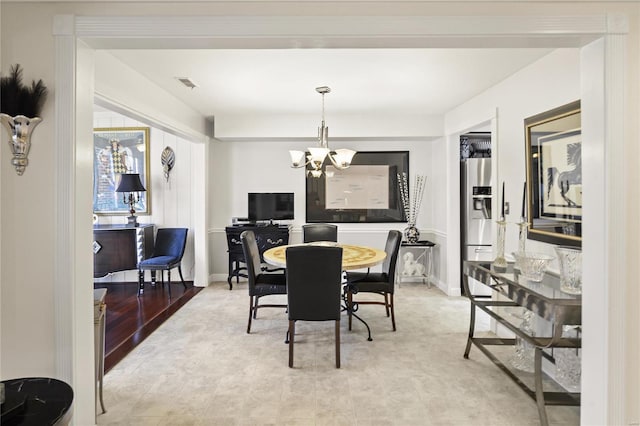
column 270, row 206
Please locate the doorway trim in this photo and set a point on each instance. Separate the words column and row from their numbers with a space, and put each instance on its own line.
column 76, row 36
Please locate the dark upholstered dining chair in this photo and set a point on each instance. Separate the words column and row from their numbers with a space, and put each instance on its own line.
column 261, row 283
column 168, row 250
column 313, row 289
column 378, row 282
column 319, row 232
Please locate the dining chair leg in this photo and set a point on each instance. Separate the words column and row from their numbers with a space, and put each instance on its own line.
column 168, row 280
column 349, row 306
column 140, row 282
column 393, row 315
column 250, row 314
column 337, row 343
column 386, row 303
column 292, row 332
column 181, row 278
column 255, row 307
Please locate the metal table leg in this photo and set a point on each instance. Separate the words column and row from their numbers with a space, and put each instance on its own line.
column 351, row 307
column 542, row 412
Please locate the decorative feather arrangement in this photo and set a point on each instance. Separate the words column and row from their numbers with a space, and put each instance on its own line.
column 411, row 202
column 18, row 99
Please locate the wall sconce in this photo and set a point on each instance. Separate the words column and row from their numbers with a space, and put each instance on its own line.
column 17, row 104
column 20, row 129
column 168, row 160
column 131, row 187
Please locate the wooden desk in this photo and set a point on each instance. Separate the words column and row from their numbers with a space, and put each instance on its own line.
column 353, row 257
column 120, row 247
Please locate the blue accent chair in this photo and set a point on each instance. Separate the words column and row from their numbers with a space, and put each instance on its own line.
column 167, row 254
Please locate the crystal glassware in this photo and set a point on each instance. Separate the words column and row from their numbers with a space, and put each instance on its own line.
column 533, row 265
column 570, row 259
column 523, row 355
column 568, row 362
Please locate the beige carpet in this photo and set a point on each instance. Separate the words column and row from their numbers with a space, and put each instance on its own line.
column 201, row 368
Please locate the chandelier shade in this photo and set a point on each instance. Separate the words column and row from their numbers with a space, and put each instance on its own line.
column 340, row 158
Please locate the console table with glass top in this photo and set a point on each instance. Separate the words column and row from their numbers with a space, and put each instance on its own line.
column 513, row 292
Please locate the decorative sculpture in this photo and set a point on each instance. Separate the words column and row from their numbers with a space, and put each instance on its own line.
column 412, row 266
column 19, row 109
column 168, row 159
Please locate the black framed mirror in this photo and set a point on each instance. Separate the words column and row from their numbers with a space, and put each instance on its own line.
column 553, row 142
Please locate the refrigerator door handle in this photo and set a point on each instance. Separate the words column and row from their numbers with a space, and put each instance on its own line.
column 483, row 250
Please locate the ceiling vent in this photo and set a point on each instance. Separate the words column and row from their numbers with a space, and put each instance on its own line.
column 187, row 82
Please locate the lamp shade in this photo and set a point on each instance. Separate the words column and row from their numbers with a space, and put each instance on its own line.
column 343, row 157
column 130, row 182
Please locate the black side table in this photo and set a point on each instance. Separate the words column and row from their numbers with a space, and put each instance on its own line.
column 415, row 260
column 36, row 401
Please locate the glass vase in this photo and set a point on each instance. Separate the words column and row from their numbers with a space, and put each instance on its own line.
column 570, row 260
column 412, row 234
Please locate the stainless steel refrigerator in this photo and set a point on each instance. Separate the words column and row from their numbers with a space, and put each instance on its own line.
column 476, row 214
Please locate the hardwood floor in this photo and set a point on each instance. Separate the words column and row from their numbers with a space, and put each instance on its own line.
column 130, row 319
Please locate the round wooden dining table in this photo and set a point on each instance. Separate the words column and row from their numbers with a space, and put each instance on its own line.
column 353, row 257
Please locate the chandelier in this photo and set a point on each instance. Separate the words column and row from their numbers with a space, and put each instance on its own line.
column 340, row 158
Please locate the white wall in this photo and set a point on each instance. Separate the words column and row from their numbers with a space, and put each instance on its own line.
column 437, row 211
column 340, row 125
column 28, row 215
column 118, row 82
column 552, row 81
column 260, row 166
column 171, row 201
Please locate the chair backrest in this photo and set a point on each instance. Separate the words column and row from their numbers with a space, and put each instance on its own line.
column 314, row 276
column 319, row 232
column 392, row 247
column 170, row 242
column 251, row 256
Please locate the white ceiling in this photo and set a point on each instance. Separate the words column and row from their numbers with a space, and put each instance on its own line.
column 283, row 81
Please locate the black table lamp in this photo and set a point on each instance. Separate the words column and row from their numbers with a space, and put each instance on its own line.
column 130, row 184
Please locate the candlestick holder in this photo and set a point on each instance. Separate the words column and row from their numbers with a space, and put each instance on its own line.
column 500, row 262
column 522, row 240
